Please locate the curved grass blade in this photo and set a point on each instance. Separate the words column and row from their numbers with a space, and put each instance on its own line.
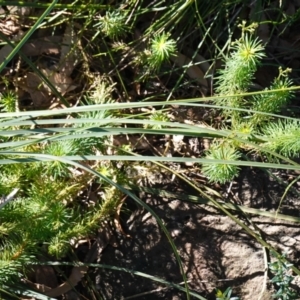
column 109, row 106
column 36, row 157
column 115, row 268
column 24, row 291
column 27, row 35
column 222, row 208
column 201, row 200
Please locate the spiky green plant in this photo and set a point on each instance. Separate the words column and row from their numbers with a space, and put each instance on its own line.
column 221, row 172
column 273, row 102
column 8, row 101
column 283, row 137
column 159, row 117
column 235, row 78
column 113, row 24
column 232, row 84
column 162, row 47
column 56, row 168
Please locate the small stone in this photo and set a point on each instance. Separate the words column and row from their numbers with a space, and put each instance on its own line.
column 176, row 232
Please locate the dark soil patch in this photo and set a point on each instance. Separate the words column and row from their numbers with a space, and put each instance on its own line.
column 215, row 252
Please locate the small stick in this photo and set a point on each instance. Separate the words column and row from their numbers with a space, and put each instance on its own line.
column 5, row 199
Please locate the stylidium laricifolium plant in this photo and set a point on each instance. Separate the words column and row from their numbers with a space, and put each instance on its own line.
column 233, row 82
column 159, row 117
column 238, row 73
column 46, row 217
column 113, row 24
column 56, row 168
column 236, row 78
column 8, row 102
column 221, row 172
column 283, row 137
column 99, row 94
column 275, row 101
column 162, row 47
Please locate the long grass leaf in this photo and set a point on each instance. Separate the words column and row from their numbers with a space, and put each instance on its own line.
column 201, row 200
column 115, row 268
column 27, row 35
column 42, row 157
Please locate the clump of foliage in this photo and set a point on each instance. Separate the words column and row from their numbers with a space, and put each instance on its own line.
column 248, row 115
column 221, row 172
column 48, row 215
column 282, row 279
column 113, row 24
column 162, row 48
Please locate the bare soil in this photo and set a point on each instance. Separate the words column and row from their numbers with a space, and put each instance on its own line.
column 215, row 252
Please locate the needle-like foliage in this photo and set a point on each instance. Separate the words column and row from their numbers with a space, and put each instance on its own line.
column 232, row 84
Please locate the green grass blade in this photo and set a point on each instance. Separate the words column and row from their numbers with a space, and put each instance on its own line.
column 42, row 157
column 201, row 200
column 112, row 106
column 27, row 35
column 22, row 290
column 115, row 268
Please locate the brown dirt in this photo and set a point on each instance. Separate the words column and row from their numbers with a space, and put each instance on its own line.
column 215, row 252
